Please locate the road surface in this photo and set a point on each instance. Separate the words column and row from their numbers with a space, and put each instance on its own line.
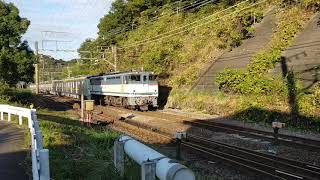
column 12, row 152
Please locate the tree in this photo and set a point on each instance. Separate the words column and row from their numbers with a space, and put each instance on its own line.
column 16, row 58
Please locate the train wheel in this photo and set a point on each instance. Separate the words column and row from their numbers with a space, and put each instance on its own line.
column 143, row 108
column 125, row 102
column 107, row 101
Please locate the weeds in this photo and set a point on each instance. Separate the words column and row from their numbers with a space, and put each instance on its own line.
column 77, row 152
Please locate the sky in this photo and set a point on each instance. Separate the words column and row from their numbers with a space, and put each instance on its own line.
column 61, row 24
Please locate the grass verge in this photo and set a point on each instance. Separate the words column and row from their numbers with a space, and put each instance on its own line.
column 77, row 152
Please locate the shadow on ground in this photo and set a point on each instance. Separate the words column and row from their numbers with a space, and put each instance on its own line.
column 164, row 93
column 12, row 166
column 80, row 152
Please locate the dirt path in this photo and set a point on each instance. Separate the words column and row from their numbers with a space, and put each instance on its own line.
column 12, row 152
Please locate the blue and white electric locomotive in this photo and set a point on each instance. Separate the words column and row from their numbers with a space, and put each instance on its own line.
column 127, row 89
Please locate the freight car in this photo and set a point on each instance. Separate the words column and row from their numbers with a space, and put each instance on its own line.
column 126, row 89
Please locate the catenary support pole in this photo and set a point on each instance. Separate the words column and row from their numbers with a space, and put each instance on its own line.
column 115, row 56
column 36, row 67
column 82, row 107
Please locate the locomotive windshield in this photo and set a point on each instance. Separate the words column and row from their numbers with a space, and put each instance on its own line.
column 135, row 77
column 152, row 77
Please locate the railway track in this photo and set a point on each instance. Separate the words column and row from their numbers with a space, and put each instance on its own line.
column 268, row 165
column 283, row 139
column 271, row 166
column 295, row 141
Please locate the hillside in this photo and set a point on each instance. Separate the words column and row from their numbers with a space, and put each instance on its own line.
column 183, row 42
column 51, row 68
column 239, row 57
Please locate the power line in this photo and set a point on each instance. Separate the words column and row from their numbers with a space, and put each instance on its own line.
column 115, row 32
column 169, row 33
column 195, row 5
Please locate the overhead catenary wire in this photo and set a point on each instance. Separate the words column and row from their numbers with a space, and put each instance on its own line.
column 120, row 28
column 172, row 32
column 194, row 22
column 194, row 5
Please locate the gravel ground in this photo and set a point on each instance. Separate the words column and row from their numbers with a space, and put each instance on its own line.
column 259, row 126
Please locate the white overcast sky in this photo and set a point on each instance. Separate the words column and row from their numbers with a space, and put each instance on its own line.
column 71, row 21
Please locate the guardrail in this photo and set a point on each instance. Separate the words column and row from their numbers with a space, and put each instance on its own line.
column 40, row 156
column 153, row 164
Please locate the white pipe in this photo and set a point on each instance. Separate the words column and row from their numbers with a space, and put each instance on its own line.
column 166, row 169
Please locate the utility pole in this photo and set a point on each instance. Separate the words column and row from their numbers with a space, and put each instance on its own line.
column 115, row 56
column 178, row 7
column 69, row 71
column 36, row 67
column 42, row 79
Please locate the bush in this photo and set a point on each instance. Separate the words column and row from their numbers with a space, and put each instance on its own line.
column 244, row 82
column 4, row 87
column 186, row 77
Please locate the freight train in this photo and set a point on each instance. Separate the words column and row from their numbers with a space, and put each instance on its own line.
column 137, row 90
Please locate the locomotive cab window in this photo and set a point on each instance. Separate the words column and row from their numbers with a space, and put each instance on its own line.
column 135, row 77
column 96, row 81
column 152, row 77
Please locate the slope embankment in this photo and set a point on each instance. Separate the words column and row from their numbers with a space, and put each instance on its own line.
column 303, row 56
column 239, row 57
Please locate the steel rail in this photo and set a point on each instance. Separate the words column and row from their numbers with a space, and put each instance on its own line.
column 283, row 139
column 296, row 168
column 269, row 165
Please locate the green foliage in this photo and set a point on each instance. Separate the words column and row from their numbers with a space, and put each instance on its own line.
column 16, row 58
column 263, row 61
column 312, row 3
column 160, row 57
column 187, row 77
column 168, row 55
column 78, row 152
column 244, row 82
column 4, row 87
column 51, row 68
column 235, row 29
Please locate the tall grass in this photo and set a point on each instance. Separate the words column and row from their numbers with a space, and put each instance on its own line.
column 78, row 152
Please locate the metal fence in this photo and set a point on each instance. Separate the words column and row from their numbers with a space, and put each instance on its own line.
column 40, row 156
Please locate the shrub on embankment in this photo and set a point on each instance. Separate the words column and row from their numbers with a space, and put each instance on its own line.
column 15, row 96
